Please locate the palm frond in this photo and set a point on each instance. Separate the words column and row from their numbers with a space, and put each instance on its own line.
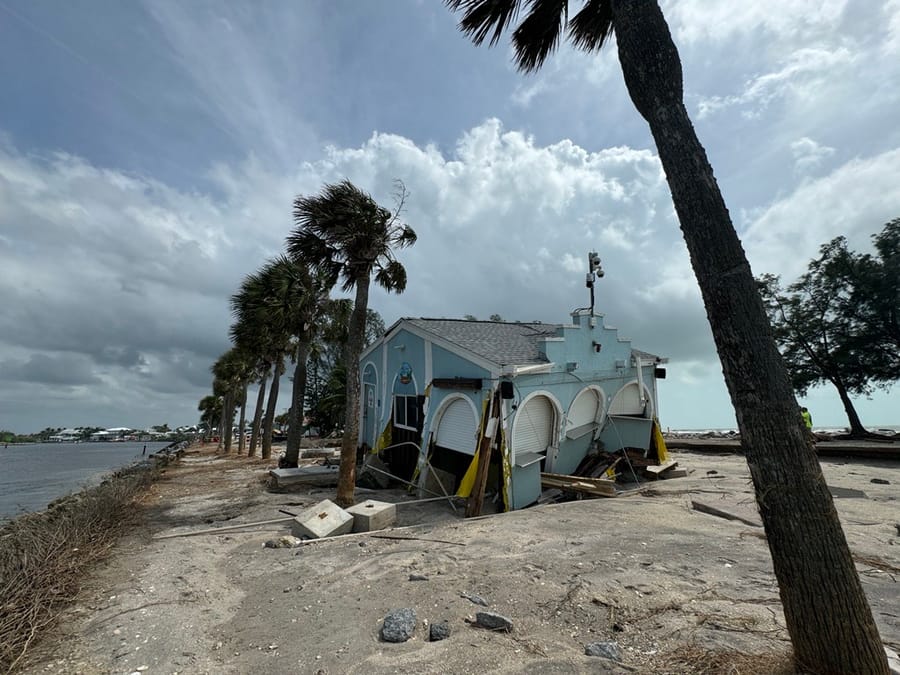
column 392, row 277
column 405, row 236
column 480, row 16
column 538, row 34
column 591, row 27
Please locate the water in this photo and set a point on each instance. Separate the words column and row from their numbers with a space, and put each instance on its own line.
column 32, row 476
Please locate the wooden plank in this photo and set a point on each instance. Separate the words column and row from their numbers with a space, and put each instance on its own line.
column 661, row 468
column 485, row 448
column 596, row 486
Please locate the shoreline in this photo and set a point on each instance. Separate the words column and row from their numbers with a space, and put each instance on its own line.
column 565, row 574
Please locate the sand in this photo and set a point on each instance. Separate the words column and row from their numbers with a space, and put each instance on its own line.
column 647, row 572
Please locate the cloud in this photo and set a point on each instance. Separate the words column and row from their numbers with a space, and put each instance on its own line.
column 808, row 154
column 854, row 200
column 63, row 369
column 129, row 277
column 805, row 70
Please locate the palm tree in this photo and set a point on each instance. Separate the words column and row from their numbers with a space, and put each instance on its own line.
column 231, row 372
column 262, row 334
column 827, row 614
column 279, row 310
column 298, row 299
column 343, row 232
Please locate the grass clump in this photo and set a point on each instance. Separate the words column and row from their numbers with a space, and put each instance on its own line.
column 695, row 660
column 44, row 556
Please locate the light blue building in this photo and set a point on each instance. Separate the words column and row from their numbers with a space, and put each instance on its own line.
column 427, row 387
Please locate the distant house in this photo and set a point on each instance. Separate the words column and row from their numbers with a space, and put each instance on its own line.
column 65, row 436
column 111, row 434
column 427, row 383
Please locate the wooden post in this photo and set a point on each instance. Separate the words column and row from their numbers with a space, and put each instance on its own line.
column 485, row 448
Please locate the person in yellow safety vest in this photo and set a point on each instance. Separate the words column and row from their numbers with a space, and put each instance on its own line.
column 807, row 418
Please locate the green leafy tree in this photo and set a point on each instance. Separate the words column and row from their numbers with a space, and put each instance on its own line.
column 826, row 611
column 876, row 301
column 345, row 233
column 837, row 323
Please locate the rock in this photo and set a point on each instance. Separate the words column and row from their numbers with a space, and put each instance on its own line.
column 608, row 650
column 439, row 631
column 418, row 577
column 493, row 621
column 399, row 625
column 477, row 599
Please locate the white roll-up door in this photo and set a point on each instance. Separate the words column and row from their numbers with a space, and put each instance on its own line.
column 627, row 401
column 585, row 409
column 533, row 426
column 456, row 430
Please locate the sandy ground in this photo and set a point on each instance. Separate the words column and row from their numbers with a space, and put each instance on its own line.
column 645, row 571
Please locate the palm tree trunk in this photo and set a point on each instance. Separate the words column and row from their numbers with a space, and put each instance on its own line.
column 229, row 422
column 270, row 410
column 857, row 430
column 827, row 615
column 355, row 341
column 258, row 414
column 295, row 416
column 242, row 419
column 221, row 444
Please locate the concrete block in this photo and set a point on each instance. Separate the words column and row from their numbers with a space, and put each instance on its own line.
column 371, row 515
column 325, row 519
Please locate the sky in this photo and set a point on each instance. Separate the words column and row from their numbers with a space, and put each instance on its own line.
column 150, row 153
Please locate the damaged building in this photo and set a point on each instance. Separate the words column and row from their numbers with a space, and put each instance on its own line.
column 558, row 391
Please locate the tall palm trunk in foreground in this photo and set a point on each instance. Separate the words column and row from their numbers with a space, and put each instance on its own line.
column 827, row 615
column 809, row 551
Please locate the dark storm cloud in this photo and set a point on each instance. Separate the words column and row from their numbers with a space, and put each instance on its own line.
column 65, row 369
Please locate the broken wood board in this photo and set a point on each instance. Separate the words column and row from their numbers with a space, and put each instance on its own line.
column 658, row 469
column 319, row 475
column 596, row 486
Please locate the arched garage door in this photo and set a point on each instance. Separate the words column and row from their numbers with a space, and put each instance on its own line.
column 456, row 428
column 534, row 426
column 627, row 401
column 584, row 413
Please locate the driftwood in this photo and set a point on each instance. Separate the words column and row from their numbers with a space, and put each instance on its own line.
column 713, row 511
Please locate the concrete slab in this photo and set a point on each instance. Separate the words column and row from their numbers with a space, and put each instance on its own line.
column 372, row 515
column 325, row 519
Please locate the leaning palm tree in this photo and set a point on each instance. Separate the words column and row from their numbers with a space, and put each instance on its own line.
column 230, row 372
column 257, row 331
column 278, row 309
column 345, row 233
column 298, row 299
column 827, row 614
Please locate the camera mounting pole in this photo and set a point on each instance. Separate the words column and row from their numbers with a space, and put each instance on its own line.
column 594, row 271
